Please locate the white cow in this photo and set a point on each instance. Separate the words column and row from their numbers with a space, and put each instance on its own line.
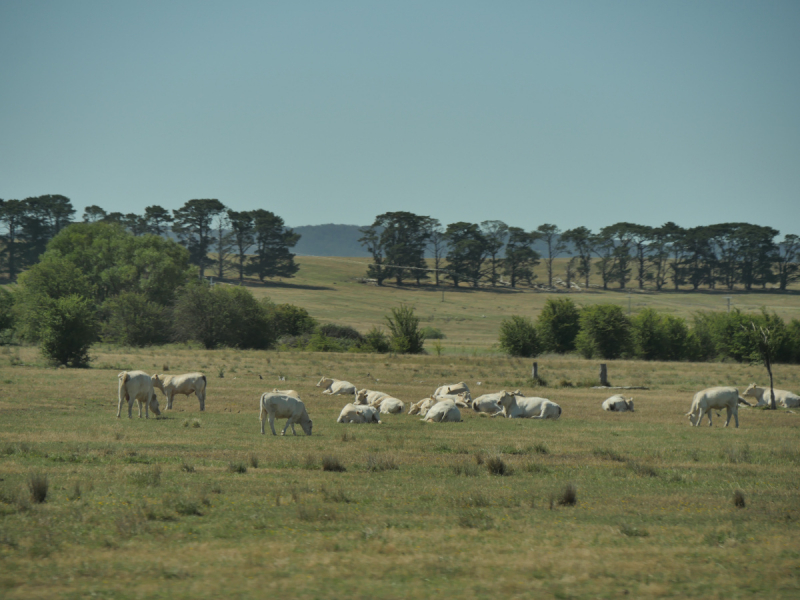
column 137, row 385
column 617, row 403
column 490, row 403
column 370, row 397
column 714, row 398
column 182, row 384
column 391, row 406
column 274, row 405
column 442, row 412
column 783, row 398
column 292, row 393
column 422, row 407
column 336, row 386
column 358, row 413
column 461, row 400
column 521, row 407
column 452, row 389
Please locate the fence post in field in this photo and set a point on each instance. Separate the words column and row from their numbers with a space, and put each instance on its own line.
column 535, row 372
column 604, row 375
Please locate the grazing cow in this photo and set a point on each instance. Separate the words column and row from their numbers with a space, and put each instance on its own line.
column 370, row 397
column 358, row 413
column 422, row 407
column 292, row 393
column 490, row 403
column 390, row 406
column 137, row 385
column 520, row 407
column 182, row 384
column 453, row 389
column 714, row 398
column 617, row 403
column 336, row 386
column 274, row 405
column 783, row 398
column 444, row 411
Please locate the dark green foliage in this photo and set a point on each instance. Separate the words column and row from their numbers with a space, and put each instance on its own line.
column 6, row 314
column 496, row 466
column 376, row 341
column 38, row 487
column 660, row 337
column 558, row 325
column 68, row 329
column 406, row 338
column 133, row 320
column 319, row 342
column 333, row 464
column 729, row 336
column 569, row 495
column 397, row 242
column 518, row 337
column 193, row 226
column 272, row 240
column 738, row 499
column 223, row 316
column 292, row 320
column 467, row 249
column 341, row 332
column 793, row 341
column 605, row 332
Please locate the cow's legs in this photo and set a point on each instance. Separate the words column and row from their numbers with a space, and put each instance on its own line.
column 169, row 401
column 201, row 396
column 122, row 398
column 263, row 416
column 272, row 423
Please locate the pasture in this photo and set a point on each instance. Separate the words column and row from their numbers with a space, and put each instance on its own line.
column 201, row 505
column 328, row 288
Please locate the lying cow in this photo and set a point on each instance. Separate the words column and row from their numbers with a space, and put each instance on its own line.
column 292, row 393
column 617, row 403
column 390, row 406
column 422, row 407
column 336, row 386
column 490, row 403
column 453, row 389
column 358, row 413
column 783, row 398
column 137, row 385
column 461, row 400
column 190, row 383
column 274, row 405
column 444, row 411
column 370, row 397
column 714, row 398
column 520, row 407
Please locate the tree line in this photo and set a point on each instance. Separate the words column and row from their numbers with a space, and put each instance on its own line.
column 719, row 256
column 216, row 237
column 604, row 331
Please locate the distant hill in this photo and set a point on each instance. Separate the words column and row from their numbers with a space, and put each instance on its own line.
column 329, row 240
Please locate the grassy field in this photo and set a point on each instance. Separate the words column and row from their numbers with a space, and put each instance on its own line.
column 165, row 508
column 329, row 289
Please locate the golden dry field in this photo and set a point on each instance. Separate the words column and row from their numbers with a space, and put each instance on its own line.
column 328, row 288
column 160, row 508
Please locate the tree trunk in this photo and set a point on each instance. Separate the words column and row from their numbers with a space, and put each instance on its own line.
column 604, row 375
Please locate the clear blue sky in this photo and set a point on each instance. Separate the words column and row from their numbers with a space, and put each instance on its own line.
column 573, row 113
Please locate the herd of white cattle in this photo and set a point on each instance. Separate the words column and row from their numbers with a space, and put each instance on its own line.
column 440, row 407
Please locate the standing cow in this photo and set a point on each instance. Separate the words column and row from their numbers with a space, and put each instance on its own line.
column 182, row 384
column 715, row 398
column 274, row 405
column 137, row 385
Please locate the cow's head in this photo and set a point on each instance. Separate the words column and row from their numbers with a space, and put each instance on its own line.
column 306, row 425
column 154, row 405
column 158, row 382
column 325, row 382
column 752, row 391
column 629, row 403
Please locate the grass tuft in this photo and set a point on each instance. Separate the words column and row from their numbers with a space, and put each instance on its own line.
column 147, row 477
column 608, row 454
column 254, row 461
column 337, row 495
column 476, row 519
column 736, row 455
column 348, row 437
column 569, row 496
column 380, row 463
column 642, row 470
column 738, row 499
column 466, row 469
column 237, row 466
column 331, row 463
column 496, row 466
column 38, row 486
column 630, row 531
column 187, row 468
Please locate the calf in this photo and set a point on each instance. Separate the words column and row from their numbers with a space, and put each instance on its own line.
column 137, row 385
column 336, row 386
column 358, row 413
column 443, row 412
column 617, row 403
column 190, row 383
column 520, row 407
column 283, row 407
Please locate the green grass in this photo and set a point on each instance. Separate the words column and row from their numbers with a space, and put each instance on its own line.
column 152, row 508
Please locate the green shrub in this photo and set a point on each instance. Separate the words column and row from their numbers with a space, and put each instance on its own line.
column 376, row 341
column 518, row 337
column 133, row 320
column 6, row 313
column 729, row 335
column 344, row 332
column 558, row 325
column 292, row 320
column 68, row 330
column 431, row 333
column 319, row 342
column 406, row 338
column 605, row 332
column 659, row 337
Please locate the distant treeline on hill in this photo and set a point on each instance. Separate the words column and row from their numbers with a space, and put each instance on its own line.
column 403, row 245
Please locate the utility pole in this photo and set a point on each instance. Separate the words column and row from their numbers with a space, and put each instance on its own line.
column 728, row 298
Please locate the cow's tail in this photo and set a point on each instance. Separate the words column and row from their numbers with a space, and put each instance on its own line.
column 205, row 381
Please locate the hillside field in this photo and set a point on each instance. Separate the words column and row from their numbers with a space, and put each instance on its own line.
column 329, row 289
column 201, row 505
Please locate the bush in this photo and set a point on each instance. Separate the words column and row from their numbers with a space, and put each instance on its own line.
column 605, row 332
column 406, row 338
column 319, row 342
column 376, row 341
column 68, row 330
column 344, row 332
column 431, row 333
column 518, row 337
column 659, row 337
column 558, row 325
column 292, row 320
column 6, row 314
column 133, row 320
column 729, row 335
column 38, row 486
column 223, row 316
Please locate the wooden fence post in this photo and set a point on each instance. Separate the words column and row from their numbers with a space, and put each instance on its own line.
column 604, row 375
column 535, row 372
